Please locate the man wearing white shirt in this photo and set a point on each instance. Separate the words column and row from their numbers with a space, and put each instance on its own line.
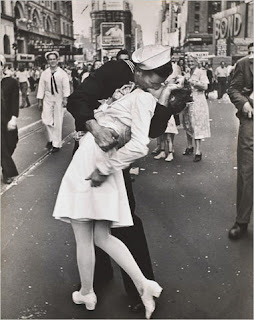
column 221, row 75
column 53, row 90
column 22, row 76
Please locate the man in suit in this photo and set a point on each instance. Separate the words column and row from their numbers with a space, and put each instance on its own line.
column 9, row 115
column 241, row 95
column 100, row 85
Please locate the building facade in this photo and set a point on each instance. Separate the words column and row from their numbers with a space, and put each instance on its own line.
column 7, row 31
column 167, row 32
column 196, row 26
column 39, row 26
column 233, row 30
column 112, row 27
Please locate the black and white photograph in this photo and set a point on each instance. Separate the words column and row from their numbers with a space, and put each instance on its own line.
column 126, row 159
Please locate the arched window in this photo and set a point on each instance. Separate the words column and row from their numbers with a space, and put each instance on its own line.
column 7, row 47
column 44, row 23
column 35, row 18
column 49, row 26
column 18, row 11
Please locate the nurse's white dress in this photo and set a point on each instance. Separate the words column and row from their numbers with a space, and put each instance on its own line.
column 130, row 117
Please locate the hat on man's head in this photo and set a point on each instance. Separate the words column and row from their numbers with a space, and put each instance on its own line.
column 51, row 52
column 152, row 56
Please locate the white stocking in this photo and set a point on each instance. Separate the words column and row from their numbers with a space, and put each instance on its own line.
column 85, row 253
column 118, row 251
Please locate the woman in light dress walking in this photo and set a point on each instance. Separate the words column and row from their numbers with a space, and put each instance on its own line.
column 196, row 114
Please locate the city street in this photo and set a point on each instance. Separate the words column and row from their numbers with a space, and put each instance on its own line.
column 187, row 209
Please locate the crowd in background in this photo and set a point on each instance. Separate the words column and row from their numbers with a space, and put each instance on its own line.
column 28, row 77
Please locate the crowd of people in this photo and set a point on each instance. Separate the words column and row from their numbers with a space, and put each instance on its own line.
column 117, row 106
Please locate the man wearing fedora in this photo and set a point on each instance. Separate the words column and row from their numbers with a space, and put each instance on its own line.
column 53, row 90
column 81, row 105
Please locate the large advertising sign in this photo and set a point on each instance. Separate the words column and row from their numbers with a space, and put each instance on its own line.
column 114, row 5
column 230, row 23
column 112, row 34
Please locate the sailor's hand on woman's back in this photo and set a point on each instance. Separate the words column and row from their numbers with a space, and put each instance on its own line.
column 106, row 138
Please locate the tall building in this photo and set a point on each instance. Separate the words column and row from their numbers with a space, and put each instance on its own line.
column 196, row 26
column 111, row 26
column 40, row 26
column 7, row 32
column 137, row 36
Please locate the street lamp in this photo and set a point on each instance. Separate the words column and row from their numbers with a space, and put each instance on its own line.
column 15, row 48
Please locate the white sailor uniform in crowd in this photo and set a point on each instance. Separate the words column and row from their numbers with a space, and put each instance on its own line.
column 53, row 87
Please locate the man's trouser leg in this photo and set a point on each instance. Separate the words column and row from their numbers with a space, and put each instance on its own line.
column 245, row 171
column 219, row 88
column 23, row 89
column 134, row 238
column 58, row 124
column 9, row 141
column 223, row 86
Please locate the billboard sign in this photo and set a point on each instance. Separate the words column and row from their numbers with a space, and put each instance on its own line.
column 112, row 34
column 114, row 5
column 230, row 23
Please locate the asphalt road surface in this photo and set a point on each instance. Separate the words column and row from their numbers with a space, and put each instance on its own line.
column 187, row 209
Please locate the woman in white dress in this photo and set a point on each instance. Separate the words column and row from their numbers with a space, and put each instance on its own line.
column 92, row 195
column 196, row 114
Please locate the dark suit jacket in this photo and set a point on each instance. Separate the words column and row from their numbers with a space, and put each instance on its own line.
column 9, row 99
column 101, row 85
column 241, row 85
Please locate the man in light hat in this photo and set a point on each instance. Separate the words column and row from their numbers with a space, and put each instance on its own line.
column 53, row 90
column 9, row 115
column 81, row 105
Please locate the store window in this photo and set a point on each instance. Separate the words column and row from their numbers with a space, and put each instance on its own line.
column 55, row 6
column 7, row 47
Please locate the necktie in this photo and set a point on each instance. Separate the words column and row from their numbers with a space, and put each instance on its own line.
column 53, row 84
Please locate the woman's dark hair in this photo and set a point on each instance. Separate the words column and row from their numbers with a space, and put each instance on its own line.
column 21, row 68
column 93, row 66
column 165, row 70
column 123, row 51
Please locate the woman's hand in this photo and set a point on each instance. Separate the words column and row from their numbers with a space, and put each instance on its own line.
column 164, row 96
column 97, row 178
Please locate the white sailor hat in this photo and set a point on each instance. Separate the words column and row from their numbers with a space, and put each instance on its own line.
column 51, row 52
column 151, row 56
